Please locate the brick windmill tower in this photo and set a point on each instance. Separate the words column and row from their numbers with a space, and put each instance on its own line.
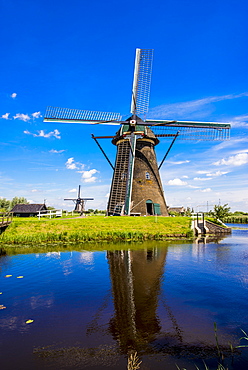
column 136, row 187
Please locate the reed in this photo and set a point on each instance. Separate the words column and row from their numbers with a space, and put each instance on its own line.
column 219, row 367
column 236, row 219
column 133, row 361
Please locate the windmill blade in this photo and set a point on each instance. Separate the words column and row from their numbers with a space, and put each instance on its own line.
column 152, row 122
column 67, row 115
column 191, row 130
column 141, row 81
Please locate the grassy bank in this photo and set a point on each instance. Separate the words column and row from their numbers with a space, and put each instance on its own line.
column 33, row 231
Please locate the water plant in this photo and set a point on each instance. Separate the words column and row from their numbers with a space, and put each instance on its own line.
column 133, row 361
column 245, row 337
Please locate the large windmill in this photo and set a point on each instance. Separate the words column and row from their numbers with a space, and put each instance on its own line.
column 136, row 187
column 79, row 202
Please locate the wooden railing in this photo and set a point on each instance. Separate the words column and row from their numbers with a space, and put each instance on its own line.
column 5, row 219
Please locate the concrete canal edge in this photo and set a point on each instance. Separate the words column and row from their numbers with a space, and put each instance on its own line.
column 204, row 227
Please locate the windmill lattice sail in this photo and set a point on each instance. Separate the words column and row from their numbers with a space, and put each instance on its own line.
column 191, row 130
column 67, row 115
column 142, row 81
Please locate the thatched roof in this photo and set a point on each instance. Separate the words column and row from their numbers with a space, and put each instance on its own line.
column 176, row 209
column 28, row 208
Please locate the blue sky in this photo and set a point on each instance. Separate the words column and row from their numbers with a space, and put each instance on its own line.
column 79, row 54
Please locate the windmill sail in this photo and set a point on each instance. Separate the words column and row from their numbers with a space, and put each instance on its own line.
column 67, row 115
column 190, row 130
column 142, row 81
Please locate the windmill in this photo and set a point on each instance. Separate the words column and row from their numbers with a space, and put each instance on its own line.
column 79, row 202
column 136, row 187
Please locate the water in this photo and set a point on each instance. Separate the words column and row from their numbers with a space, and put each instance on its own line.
column 161, row 299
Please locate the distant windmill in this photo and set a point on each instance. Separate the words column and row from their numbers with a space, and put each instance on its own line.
column 79, row 202
column 136, row 185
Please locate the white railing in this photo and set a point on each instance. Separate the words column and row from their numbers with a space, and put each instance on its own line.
column 197, row 215
column 50, row 213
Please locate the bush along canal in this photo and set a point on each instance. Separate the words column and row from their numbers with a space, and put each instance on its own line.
column 173, row 304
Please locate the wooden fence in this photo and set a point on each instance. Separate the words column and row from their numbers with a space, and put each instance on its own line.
column 5, row 219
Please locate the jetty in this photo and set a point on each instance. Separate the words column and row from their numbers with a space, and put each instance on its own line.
column 5, row 220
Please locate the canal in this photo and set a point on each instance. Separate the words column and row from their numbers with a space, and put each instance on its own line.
column 177, row 304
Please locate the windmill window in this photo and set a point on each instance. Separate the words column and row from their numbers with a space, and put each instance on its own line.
column 148, row 177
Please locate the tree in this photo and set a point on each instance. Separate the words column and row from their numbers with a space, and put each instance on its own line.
column 220, row 212
column 18, row 200
column 188, row 212
column 4, row 204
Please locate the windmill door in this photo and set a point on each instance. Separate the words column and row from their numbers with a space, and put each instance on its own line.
column 156, row 208
column 152, row 208
column 149, row 207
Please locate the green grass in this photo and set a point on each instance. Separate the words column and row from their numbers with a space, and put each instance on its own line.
column 25, row 231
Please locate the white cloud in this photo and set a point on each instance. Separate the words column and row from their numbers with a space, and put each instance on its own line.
column 42, row 133
column 87, row 176
column 36, row 115
column 216, row 174
column 34, row 190
column 178, row 162
column 202, row 172
column 72, row 191
column 185, row 177
column 90, row 179
column 202, row 178
column 240, row 121
column 56, row 151
column 70, row 164
column 177, row 182
column 193, row 187
column 235, row 160
column 22, row 117
column 5, row 116
column 187, row 108
column 206, row 190
column 230, row 143
column 14, row 95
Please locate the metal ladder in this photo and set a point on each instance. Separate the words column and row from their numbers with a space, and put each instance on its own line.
column 118, row 188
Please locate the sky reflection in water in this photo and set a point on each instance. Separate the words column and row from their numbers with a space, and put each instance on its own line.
column 91, row 308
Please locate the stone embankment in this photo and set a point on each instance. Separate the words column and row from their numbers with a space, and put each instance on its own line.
column 217, row 229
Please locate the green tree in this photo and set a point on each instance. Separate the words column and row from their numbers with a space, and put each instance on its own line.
column 188, row 212
column 220, row 212
column 4, row 204
column 18, row 200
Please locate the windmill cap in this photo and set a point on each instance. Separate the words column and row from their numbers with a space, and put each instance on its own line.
column 135, row 125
